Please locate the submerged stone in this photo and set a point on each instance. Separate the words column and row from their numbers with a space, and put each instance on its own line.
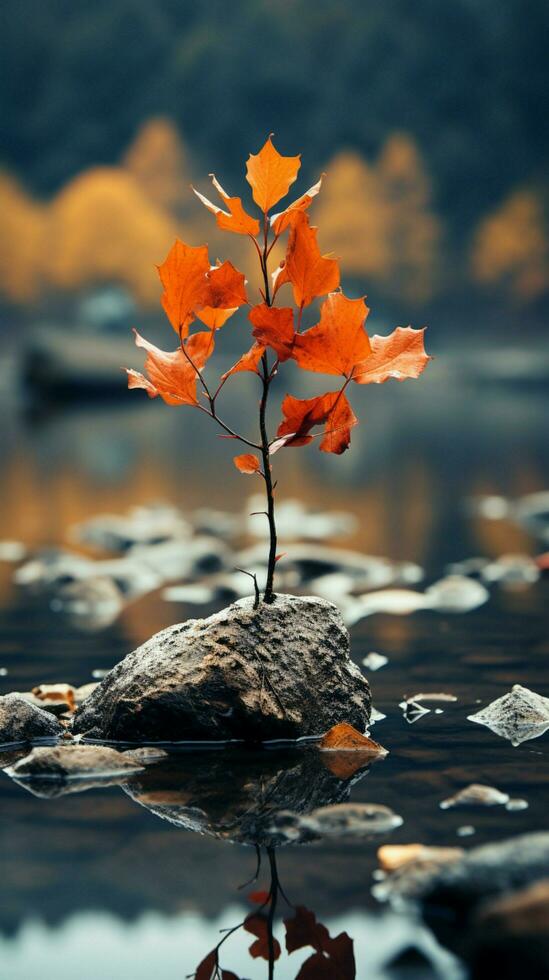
column 475, row 795
column 74, row 762
column 21, row 721
column 282, row 670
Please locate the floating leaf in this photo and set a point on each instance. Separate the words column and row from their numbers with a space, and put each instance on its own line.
column 344, row 736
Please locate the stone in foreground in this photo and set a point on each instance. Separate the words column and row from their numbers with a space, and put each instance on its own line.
column 282, row 670
column 21, row 721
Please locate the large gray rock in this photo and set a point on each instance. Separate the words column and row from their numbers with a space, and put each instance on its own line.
column 21, row 721
column 279, row 671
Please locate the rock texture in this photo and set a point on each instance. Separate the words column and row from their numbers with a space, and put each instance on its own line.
column 518, row 716
column 73, row 762
column 21, row 721
column 280, row 671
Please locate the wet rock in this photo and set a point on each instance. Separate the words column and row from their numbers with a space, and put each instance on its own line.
column 280, row 671
column 238, row 796
column 173, row 560
column 53, row 567
column 510, row 936
column 514, row 806
column 467, row 830
column 295, row 521
column 90, row 604
column 517, row 716
column 21, row 721
column 475, row 795
column 12, row 551
column 512, row 571
column 457, row 594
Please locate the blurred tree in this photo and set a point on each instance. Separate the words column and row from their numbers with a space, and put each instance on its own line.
column 377, row 219
column 22, row 225
column 511, row 247
column 102, row 229
column 158, row 160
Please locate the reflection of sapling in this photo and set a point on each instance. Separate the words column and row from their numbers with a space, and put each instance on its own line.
column 338, row 344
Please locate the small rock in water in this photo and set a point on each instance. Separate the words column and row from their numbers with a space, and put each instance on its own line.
column 512, row 571
column 413, row 711
column 193, row 594
column 475, row 795
column 469, row 566
column 376, row 716
column 89, row 605
column 517, row 716
column 394, row 856
column 295, row 521
column 513, row 805
column 532, row 512
column 145, row 755
column 149, row 524
column 99, row 673
column 492, row 508
column 73, row 762
column 374, row 661
column 3, row 671
column 12, row 551
column 457, row 594
column 466, row 831
column 21, row 721
column 432, row 696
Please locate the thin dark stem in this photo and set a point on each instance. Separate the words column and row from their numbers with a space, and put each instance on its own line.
column 272, row 910
column 266, row 379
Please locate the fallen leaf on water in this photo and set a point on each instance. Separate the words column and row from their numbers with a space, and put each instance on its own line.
column 344, row 736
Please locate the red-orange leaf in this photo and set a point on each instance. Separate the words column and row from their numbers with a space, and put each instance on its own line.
column 236, row 218
column 339, row 341
column 226, row 286
column 248, row 361
column 401, row 355
column 170, row 374
column 280, row 221
column 310, row 273
column 258, row 926
column 274, row 327
column 214, row 319
column 247, row 463
column 183, row 276
column 270, row 175
column 332, row 410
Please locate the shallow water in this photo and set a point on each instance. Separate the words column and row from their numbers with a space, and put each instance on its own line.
column 98, row 883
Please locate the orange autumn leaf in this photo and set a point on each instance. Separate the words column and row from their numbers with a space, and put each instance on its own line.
column 226, row 292
column 401, row 356
column 248, row 362
column 310, row 273
column 183, row 276
column 339, row 341
column 344, row 737
column 332, row 410
column 258, row 926
column 236, row 219
column 280, row 221
column 274, row 327
column 170, row 374
column 270, row 175
column 247, row 463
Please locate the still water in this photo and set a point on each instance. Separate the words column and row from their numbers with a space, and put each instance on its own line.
column 98, row 882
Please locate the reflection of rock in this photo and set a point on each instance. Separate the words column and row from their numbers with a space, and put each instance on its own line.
column 451, row 893
column 236, row 795
column 21, row 721
column 339, row 820
column 518, row 716
column 510, row 937
column 281, row 671
column 50, row 771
